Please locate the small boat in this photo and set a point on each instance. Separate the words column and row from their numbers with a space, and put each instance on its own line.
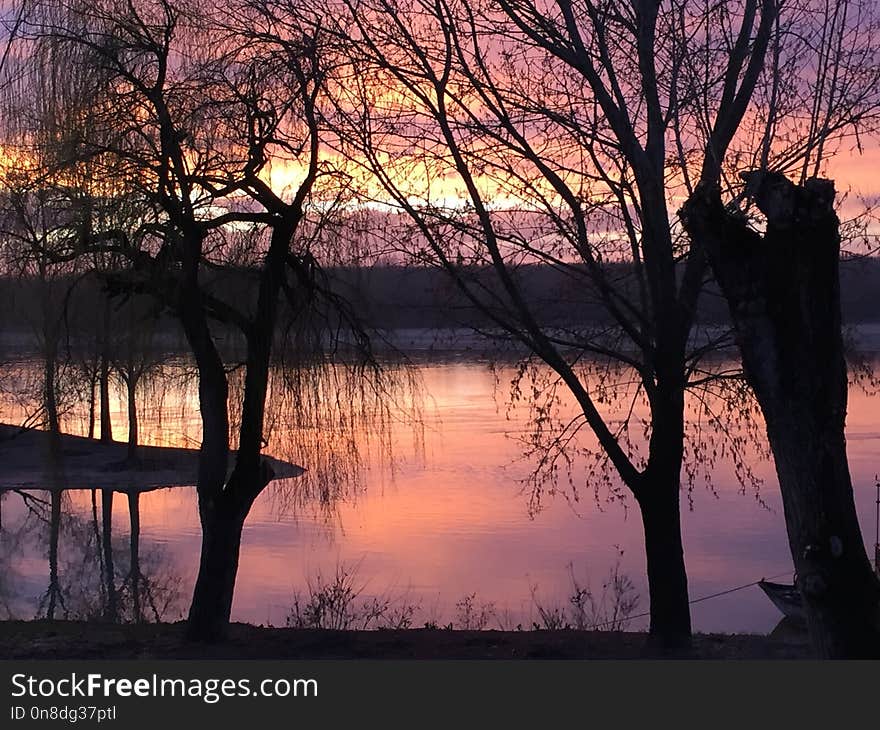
column 786, row 598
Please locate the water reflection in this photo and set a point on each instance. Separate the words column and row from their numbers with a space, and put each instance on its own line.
column 434, row 514
column 89, row 573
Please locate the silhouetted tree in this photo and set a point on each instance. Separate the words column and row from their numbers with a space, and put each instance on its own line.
column 27, row 230
column 566, row 134
column 134, row 356
column 782, row 286
column 192, row 126
column 783, row 289
column 558, row 132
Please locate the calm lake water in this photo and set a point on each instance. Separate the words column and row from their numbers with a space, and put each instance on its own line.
column 434, row 516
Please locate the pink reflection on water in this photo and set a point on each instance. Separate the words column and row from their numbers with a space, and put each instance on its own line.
column 450, row 520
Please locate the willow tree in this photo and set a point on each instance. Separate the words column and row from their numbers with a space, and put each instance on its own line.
column 191, row 113
column 51, row 193
column 37, row 201
column 26, row 229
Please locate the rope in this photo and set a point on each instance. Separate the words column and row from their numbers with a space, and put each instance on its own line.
column 738, row 588
column 691, row 602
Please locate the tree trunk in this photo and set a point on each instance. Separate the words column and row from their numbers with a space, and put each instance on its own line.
column 96, row 531
column 104, row 377
column 658, row 496
column 834, row 573
column 667, row 578
column 783, row 290
column 223, row 508
column 222, row 518
column 50, row 403
column 211, row 606
column 131, row 387
column 50, row 398
column 93, row 383
column 54, row 534
column 221, row 523
column 657, row 491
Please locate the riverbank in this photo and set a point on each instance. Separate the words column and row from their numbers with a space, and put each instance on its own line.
column 89, row 640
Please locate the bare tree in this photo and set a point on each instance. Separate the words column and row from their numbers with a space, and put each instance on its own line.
column 53, row 195
column 565, row 135
column 554, row 134
column 512, row 134
column 134, row 356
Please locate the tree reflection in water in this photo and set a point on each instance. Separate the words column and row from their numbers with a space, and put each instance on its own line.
column 92, row 573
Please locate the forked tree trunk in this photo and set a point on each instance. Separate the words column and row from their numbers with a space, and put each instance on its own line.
column 784, row 296
column 224, row 504
column 221, row 524
column 657, row 491
column 222, row 520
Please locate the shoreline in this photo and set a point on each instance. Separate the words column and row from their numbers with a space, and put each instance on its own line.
column 89, row 463
column 55, row 640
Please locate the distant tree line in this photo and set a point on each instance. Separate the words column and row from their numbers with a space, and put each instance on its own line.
column 400, row 296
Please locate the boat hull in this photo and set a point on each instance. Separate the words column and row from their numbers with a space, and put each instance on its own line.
column 786, row 598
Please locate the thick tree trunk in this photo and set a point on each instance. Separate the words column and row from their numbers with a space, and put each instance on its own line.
column 659, row 501
column 667, row 579
column 224, row 507
column 784, row 297
column 834, row 573
column 222, row 524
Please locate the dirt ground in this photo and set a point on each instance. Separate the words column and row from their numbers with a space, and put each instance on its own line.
column 81, row 640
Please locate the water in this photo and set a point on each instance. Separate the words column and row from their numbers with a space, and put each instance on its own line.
column 436, row 518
